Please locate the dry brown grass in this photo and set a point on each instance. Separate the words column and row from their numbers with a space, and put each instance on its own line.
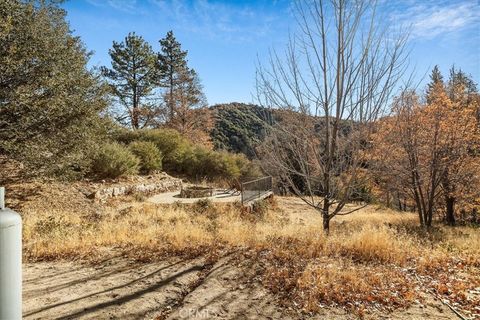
column 373, row 257
column 345, row 283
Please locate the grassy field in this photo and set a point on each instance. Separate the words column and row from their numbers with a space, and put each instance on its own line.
column 374, row 259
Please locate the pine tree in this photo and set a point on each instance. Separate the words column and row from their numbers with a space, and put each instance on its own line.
column 183, row 96
column 172, row 65
column 49, row 101
column 454, row 102
column 460, row 86
column 462, row 92
column 436, row 76
column 133, row 80
column 436, row 79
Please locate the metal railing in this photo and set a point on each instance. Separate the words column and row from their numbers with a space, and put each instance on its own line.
column 254, row 189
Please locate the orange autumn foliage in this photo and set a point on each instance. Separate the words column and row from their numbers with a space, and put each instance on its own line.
column 427, row 152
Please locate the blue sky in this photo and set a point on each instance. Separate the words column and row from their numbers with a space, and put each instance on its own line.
column 224, row 38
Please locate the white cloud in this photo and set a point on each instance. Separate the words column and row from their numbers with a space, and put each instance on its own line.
column 236, row 23
column 429, row 19
column 123, row 5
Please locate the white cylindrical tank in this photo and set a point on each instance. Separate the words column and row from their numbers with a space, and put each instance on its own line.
column 10, row 262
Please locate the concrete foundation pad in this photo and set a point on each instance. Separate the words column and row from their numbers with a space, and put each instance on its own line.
column 172, row 197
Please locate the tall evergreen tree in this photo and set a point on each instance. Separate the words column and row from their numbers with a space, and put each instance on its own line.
column 436, row 79
column 172, row 65
column 184, row 98
column 49, row 101
column 460, row 86
column 133, row 80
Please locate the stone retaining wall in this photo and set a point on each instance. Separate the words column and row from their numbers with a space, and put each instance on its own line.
column 165, row 185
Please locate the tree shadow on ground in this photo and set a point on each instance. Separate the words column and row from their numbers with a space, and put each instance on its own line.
column 119, row 300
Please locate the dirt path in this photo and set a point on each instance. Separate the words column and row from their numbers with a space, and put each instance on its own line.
column 227, row 293
column 113, row 289
column 119, row 288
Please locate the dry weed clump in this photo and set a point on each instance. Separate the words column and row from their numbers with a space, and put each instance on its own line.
column 352, row 285
column 368, row 260
column 375, row 243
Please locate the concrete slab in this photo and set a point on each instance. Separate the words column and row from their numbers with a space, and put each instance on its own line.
column 172, row 197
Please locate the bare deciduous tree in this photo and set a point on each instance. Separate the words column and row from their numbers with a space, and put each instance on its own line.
column 341, row 68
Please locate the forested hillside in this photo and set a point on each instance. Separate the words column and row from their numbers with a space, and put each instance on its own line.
column 240, row 127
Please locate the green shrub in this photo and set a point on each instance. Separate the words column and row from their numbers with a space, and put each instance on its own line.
column 248, row 169
column 180, row 156
column 149, row 155
column 201, row 163
column 113, row 160
column 230, row 166
column 171, row 144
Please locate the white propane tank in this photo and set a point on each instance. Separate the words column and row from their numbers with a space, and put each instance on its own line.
column 10, row 262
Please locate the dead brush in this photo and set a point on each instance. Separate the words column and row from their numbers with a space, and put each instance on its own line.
column 356, row 286
column 205, row 207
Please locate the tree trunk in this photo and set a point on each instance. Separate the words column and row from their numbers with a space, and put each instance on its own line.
column 419, row 210
column 135, row 121
column 135, row 111
column 326, row 224
column 170, row 97
column 450, row 213
column 429, row 217
column 325, row 216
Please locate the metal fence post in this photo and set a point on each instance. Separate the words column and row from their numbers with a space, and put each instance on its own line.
column 241, row 193
column 10, row 262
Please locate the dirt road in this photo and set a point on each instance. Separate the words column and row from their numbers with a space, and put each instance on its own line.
column 120, row 288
